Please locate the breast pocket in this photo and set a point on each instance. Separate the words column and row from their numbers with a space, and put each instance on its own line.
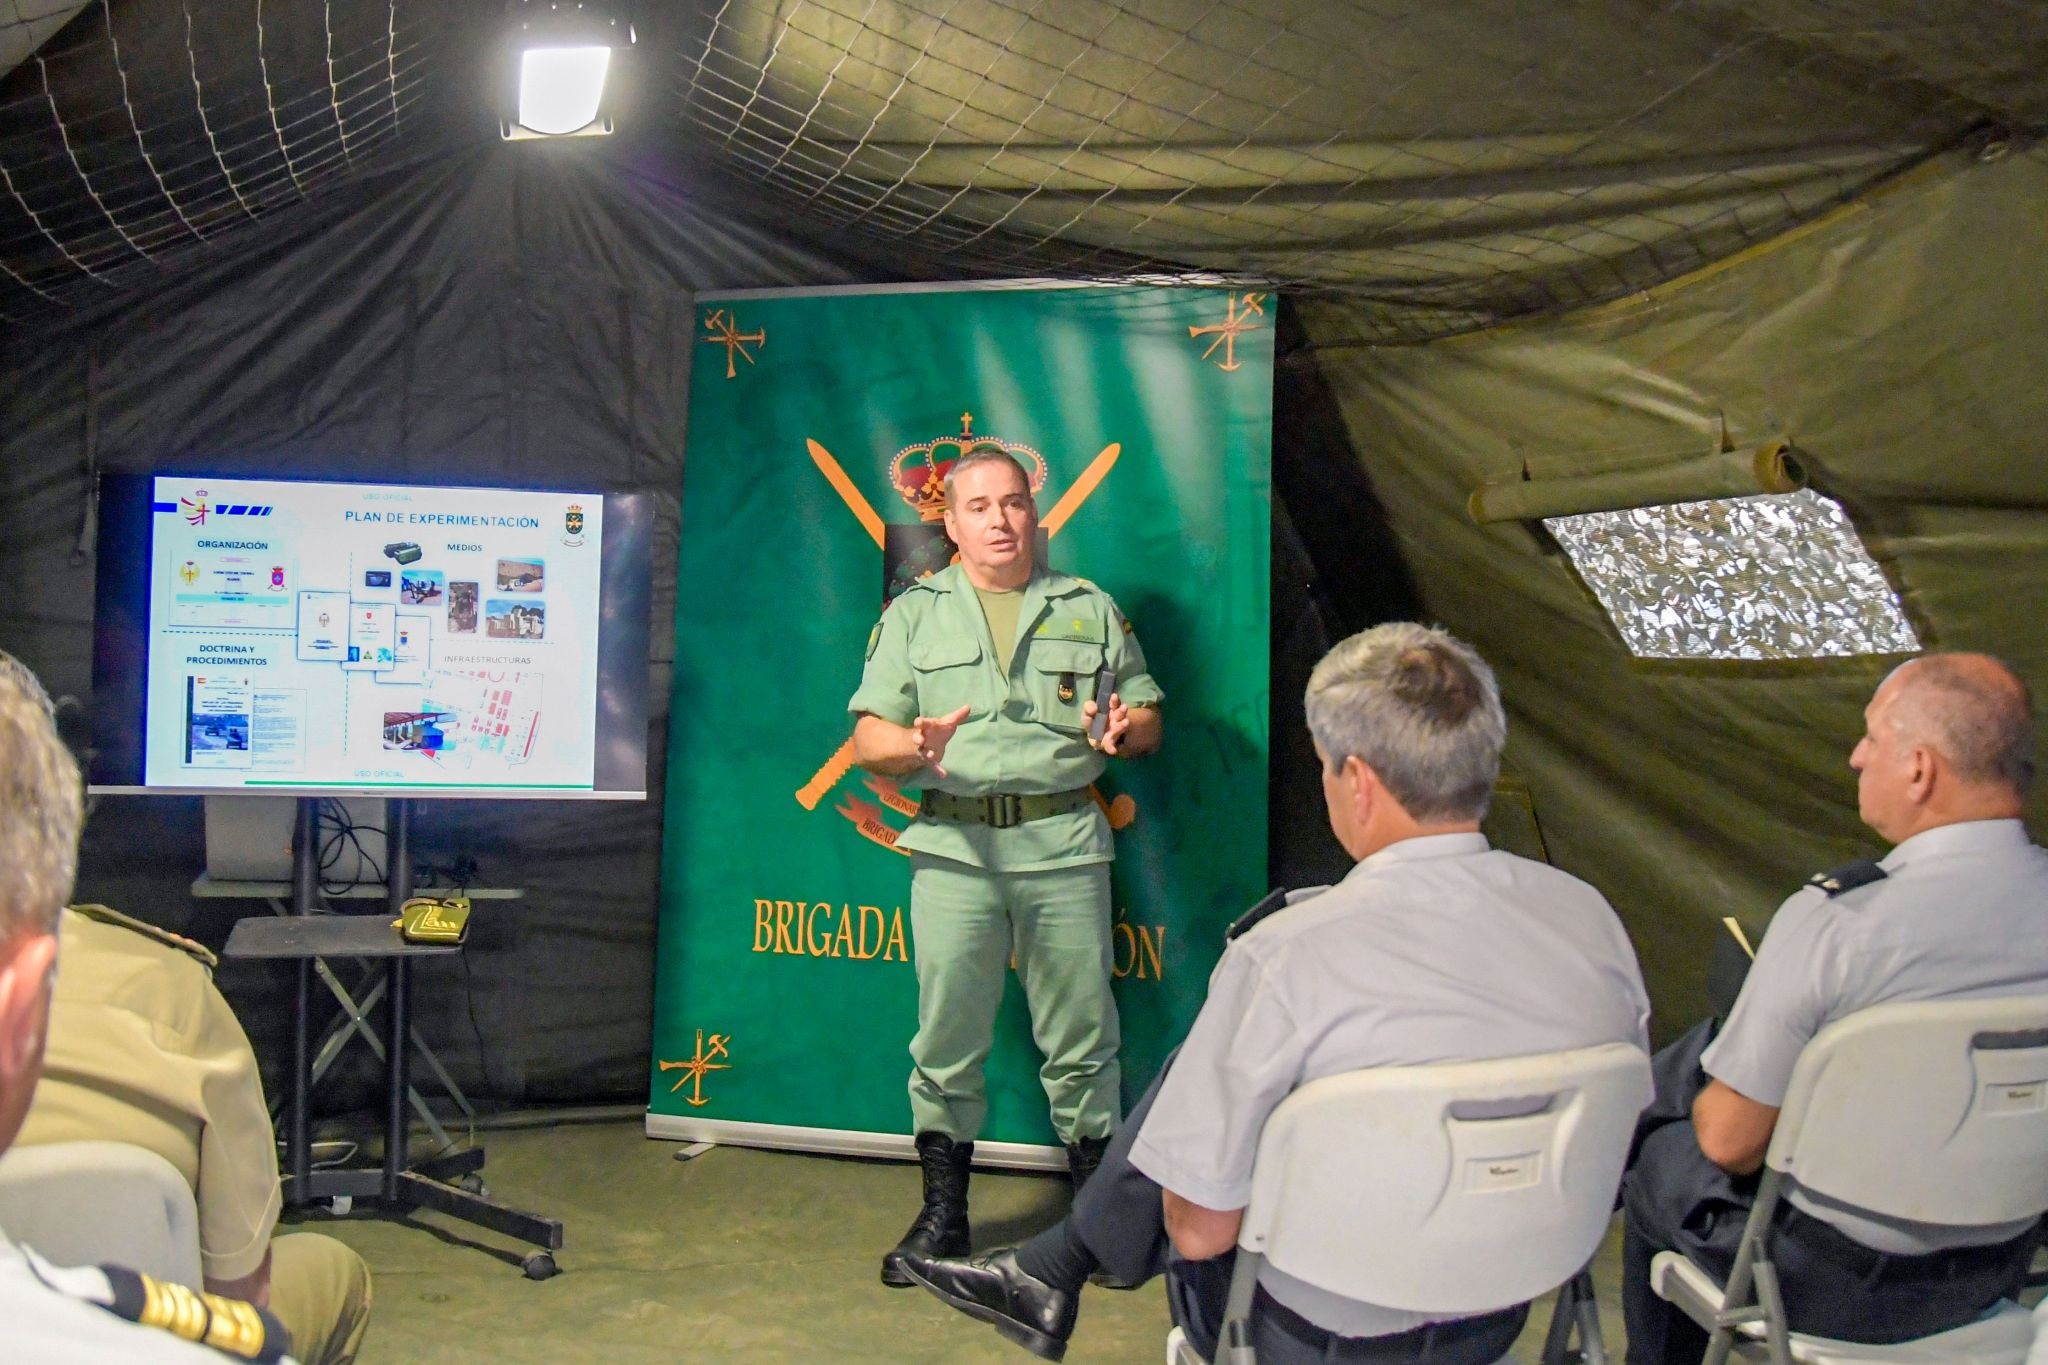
column 1059, row 678
column 946, row 674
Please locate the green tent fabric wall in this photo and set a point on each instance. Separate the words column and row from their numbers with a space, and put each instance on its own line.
column 1898, row 343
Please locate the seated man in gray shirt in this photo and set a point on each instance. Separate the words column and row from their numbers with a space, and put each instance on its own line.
column 1434, row 949
column 1958, row 908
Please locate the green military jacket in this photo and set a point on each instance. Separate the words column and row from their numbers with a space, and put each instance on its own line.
column 1024, row 735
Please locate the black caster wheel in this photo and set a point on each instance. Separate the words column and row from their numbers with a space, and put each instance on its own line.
column 473, row 1184
column 539, row 1265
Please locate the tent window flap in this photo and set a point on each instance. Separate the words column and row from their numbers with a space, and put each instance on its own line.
column 1781, row 576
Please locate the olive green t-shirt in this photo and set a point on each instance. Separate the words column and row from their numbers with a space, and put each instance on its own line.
column 1000, row 606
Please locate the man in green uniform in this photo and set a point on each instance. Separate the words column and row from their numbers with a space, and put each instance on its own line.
column 979, row 687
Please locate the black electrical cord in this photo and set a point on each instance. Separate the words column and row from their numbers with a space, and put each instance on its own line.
column 345, row 833
column 456, row 877
column 483, row 1057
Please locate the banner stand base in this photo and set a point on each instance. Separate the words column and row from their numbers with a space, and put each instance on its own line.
column 1009, row 1156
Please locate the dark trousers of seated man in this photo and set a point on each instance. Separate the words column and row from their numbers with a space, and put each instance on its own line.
column 1121, row 1220
column 1674, row 1199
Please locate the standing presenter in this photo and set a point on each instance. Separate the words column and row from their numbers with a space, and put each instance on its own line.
column 980, row 687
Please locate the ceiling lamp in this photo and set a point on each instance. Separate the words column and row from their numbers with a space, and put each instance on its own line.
column 564, row 50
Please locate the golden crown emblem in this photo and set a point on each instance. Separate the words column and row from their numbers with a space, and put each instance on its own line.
column 919, row 471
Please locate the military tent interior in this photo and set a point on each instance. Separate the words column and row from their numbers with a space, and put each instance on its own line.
column 1510, row 244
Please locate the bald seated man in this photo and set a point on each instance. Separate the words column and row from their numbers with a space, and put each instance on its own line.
column 49, row 1314
column 1958, row 909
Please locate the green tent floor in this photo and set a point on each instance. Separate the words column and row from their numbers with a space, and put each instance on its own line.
column 738, row 1255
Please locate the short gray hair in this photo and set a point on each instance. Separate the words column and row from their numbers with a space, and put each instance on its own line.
column 1421, row 709
column 1976, row 712
column 40, row 807
column 982, row 456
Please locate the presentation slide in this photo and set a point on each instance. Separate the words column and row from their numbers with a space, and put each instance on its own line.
column 371, row 635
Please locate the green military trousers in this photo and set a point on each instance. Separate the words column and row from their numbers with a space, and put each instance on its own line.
column 966, row 922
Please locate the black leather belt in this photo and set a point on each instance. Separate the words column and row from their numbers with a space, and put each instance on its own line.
column 1003, row 810
column 1830, row 1243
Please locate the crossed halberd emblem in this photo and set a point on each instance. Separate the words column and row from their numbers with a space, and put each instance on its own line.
column 695, row 1068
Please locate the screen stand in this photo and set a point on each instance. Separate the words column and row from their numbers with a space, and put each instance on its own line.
column 397, row 1183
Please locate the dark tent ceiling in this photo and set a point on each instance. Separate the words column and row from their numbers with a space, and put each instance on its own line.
column 1441, row 165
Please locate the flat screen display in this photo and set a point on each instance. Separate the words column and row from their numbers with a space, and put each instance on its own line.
column 274, row 636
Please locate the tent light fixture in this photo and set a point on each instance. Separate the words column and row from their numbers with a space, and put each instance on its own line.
column 565, row 51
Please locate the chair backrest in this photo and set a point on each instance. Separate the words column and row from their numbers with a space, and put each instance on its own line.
column 1934, row 1111
column 94, row 1203
column 1393, row 1186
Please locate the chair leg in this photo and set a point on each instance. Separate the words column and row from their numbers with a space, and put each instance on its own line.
column 1735, row 1295
column 1592, row 1345
column 1776, row 1334
column 1563, row 1317
column 1576, row 1309
column 1741, row 1294
column 1234, row 1342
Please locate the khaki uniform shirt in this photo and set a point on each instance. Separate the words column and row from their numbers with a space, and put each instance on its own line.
column 144, row 1049
column 1024, row 734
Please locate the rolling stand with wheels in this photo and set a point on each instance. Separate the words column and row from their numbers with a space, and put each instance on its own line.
column 306, row 936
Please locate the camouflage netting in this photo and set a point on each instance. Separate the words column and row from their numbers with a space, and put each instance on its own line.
column 285, row 237
column 1442, row 165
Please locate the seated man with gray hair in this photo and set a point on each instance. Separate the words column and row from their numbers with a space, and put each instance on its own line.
column 1435, row 948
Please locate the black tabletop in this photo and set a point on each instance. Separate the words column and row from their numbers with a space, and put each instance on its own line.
column 324, row 936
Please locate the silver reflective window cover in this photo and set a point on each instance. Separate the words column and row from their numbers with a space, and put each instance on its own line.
column 1776, row 577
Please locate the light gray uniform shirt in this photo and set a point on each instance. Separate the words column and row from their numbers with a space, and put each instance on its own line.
column 52, row 1316
column 1436, row 949
column 1961, row 912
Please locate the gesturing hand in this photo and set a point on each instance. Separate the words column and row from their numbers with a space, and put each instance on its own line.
column 1113, row 729
column 932, row 733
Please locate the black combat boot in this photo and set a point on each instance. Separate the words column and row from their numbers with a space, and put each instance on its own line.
column 1084, row 1155
column 941, row 1226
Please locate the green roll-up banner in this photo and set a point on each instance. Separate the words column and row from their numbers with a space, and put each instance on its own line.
column 785, row 997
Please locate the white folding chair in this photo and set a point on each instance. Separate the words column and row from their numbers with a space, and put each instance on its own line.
column 1454, row 1190
column 96, row 1203
column 1932, row 1111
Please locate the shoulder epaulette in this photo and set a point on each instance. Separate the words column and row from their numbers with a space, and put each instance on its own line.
column 108, row 915
column 230, row 1326
column 1842, row 880
column 1060, row 584
column 1272, row 903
